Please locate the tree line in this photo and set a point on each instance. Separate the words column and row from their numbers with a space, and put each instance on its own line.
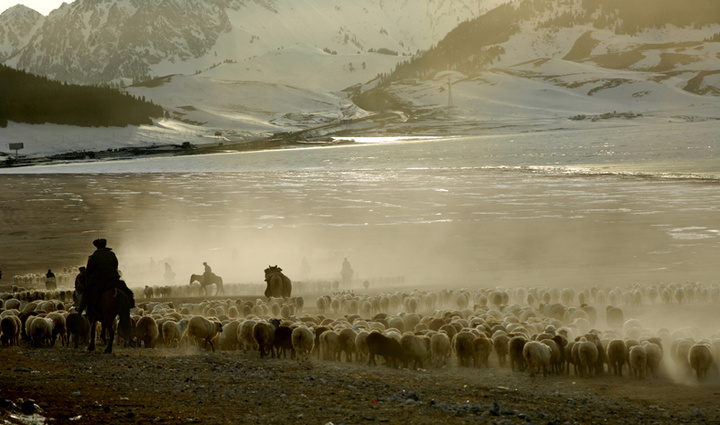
column 32, row 99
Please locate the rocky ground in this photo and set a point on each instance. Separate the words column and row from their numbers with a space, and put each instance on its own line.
column 65, row 385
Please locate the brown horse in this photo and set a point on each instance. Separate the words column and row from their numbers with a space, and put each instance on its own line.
column 214, row 279
column 104, row 307
column 111, row 302
column 278, row 285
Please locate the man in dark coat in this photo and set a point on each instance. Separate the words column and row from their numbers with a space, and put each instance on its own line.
column 102, row 273
column 50, row 281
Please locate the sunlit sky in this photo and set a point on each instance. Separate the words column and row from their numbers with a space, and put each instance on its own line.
column 42, row 6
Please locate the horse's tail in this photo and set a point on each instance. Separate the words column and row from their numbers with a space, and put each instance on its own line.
column 123, row 309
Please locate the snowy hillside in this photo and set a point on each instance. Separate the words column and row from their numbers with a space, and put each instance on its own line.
column 565, row 59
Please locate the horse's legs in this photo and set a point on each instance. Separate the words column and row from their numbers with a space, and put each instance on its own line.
column 93, row 326
column 111, row 333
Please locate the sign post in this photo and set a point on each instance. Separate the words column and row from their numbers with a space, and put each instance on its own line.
column 16, row 147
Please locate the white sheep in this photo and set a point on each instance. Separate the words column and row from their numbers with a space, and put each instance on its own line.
column 172, row 333
column 245, row 335
column 617, row 353
column 654, row 356
column 587, row 356
column 440, row 349
column 303, row 342
column 228, row 338
column 416, row 347
column 39, row 330
column 537, row 356
column 202, row 329
column 330, row 345
column 700, row 358
column 146, row 331
column 59, row 328
column 638, row 361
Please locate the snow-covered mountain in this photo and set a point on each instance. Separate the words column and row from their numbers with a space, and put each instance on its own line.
column 256, row 67
column 97, row 41
column 253, row 66
column 17, row 26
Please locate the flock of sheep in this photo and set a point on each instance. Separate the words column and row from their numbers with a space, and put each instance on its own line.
column 536, row 330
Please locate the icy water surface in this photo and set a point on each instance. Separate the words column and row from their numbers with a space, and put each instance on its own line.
column 611, row 206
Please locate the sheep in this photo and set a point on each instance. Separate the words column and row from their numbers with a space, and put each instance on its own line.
column 389, row 348
column 515, row 351
column 417, row 348
column 463, row 346
column 347, row 343
column 500, row 343
column 202, row 329
column 245, row 335
column 228, row 338
column 78, row 327
column 146, row 331
column 10, row 326
column 283, row 341
column 679, row 352
column 556, row 356
column 264, row 335
column 172, row 333
column 537, row 355
column 361, row 348
column 59, row 328
column 587, row 356
column 483, row 347
column 40, row 330
column 303, row 342
column 700, row 358
column 330, row 346
column 617, row 353
column 614, row 317
column 654, row 357
column 638, row 361
column 440, row 349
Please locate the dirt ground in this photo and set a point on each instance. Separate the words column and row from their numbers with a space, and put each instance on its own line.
column 160, row 385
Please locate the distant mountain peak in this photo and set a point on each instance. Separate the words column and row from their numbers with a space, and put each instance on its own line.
column 20, row 10
column 17, row 26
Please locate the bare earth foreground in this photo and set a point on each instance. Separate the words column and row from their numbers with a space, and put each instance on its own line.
column 193, row 386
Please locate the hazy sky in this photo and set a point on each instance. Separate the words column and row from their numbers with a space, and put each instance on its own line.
column 42, row 6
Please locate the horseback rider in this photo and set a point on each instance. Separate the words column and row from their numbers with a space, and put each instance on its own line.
column 50, row 281
column 208, row 274
column 346, row 272
column 100, row 274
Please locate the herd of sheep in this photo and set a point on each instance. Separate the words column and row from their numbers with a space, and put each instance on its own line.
column 536, row 330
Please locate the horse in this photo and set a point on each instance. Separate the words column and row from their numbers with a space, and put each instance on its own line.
column 278, row 285
column 214, row 279
column 111, row 302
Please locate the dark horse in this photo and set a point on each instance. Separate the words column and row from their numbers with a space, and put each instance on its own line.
column 214, row 279
column 278, row 285
column 111, row 302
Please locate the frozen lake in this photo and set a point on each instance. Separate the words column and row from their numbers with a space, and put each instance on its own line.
column 612, row 206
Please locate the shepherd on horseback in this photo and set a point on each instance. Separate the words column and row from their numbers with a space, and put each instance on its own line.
column 101, row 274
column 104, row 295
